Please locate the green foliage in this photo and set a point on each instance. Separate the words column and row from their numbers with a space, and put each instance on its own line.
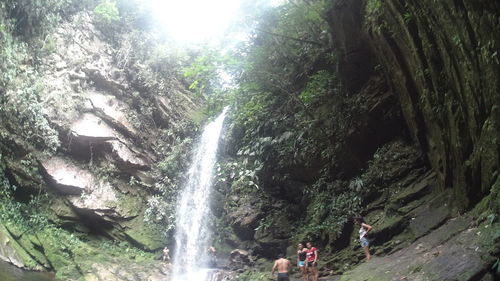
column 33, row 17
column 291, row 115
column 21, row 93
column 204, row 72
column 161, row 207
column 319, row 85
column 331, row 206
column 107, row 12
column 209, row 76
column 30, row 216
column 373, row 11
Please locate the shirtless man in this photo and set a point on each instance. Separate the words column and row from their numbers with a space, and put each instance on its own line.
column 166, row 256
column 283, row 266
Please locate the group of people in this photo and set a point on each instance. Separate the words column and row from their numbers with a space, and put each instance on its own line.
column 307, row 257
column 307, row 262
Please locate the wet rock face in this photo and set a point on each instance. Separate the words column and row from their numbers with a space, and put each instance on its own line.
column 356, row 57
column 441, row 58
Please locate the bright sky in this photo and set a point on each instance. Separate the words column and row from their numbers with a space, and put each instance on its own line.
column 195, row 21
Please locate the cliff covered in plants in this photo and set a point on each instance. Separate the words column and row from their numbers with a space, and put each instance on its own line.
column 97, row 122
column 386, row 109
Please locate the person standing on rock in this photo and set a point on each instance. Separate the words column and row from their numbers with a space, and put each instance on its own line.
column 312, row 261
column 282, row 265
column 363, row 230
column 301, row 260
column 212, row 253
column 166, row 255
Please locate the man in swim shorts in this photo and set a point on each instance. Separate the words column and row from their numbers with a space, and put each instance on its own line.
column 283, row 266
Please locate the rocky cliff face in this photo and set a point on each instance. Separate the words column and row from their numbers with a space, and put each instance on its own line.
column 115, row 121
column 421, row 79
column 441, row 59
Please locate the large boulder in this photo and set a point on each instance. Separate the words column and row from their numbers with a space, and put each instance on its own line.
column 240, row 259
column 245, row 220
column 91, row 136
column 65, row 177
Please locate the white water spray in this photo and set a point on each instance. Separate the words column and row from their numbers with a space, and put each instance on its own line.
column 193, row 211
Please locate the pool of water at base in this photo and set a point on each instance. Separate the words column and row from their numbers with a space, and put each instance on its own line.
column 9, row 272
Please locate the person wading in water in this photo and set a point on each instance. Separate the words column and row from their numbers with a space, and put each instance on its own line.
column 301, row 260
column 281, row 265
column 312, row 261
column 363, row 230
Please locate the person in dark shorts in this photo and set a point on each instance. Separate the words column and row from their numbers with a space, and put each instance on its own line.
column 301, row 260
column 363, row 240
column 282, row 265
column 312, row 261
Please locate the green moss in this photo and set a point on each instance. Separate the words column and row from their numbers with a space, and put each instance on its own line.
column 494, row 202
column 388, row 224
column 415, row 268
column 33, row 246
column 253, row 276
column 11, row 248
column 481, row 207
column 148, row 235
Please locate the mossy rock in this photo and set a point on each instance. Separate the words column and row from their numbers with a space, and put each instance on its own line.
column 62, row 210
column 494, row 203
column 129, row 205
column 414, row 191
column 147, row 236
column 388, row 227
column 33, row 246
column 13, row 252
column 54, row 252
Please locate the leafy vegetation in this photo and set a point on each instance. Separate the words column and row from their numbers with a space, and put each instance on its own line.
column 283, row 109
column 107, row 12
column 21, row 98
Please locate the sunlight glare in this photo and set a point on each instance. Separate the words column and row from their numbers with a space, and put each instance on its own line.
column 194, row 21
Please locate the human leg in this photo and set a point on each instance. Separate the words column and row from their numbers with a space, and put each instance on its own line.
column 365, row 244
column 315, row 273
column 303, row 270
column 367, row 252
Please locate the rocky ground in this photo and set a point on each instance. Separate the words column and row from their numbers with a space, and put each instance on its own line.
column 417, row 234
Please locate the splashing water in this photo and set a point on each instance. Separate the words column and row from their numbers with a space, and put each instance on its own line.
column 193, row 211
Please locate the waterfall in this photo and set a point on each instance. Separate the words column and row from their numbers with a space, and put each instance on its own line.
column 193, row 211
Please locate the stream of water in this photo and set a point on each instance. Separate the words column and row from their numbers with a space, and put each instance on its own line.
column 191, row 260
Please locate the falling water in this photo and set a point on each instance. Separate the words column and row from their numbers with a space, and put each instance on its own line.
column 193, row 212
